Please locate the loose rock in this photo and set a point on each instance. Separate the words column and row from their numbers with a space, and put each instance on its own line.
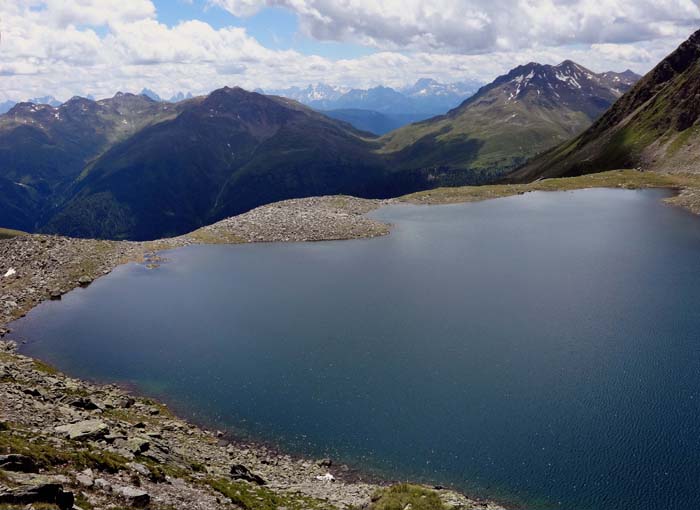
column 240, row 472
column 137, row 498
column 83, row 430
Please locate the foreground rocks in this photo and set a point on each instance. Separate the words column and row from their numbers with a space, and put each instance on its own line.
column 134, row 452
column 47, row 493
column 70, row 444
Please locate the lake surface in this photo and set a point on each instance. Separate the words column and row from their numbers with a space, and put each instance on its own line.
column 543, row 349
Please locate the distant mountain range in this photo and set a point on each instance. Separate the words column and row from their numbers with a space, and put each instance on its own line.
column 425, row 97
column 377, row 110
column 49, row 100
column 6, row 106
column 180, row 96
column 382, row 109
column 532, row 108
column 137, row 168
column 655, row 126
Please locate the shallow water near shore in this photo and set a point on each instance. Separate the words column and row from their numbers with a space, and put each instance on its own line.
column 543, row 349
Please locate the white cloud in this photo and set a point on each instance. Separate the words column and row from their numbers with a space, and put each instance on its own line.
column 94, row 12
column 476, row 26
column 68, row 47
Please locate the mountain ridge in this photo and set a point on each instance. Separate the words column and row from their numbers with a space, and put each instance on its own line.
column 654, row 126
column 130, row 167
column 531, row 108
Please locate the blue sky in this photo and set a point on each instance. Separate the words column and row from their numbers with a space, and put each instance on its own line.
column 274, row 27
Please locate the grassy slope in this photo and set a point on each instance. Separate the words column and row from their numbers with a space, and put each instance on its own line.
column 631, row 179
column 6, row 233
column 486, row 135
column 229, row 153
column 43, row 150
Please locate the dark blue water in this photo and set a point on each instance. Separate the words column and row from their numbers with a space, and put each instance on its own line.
column 544, row 349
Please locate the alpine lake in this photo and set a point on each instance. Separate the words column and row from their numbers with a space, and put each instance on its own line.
column 541, row 350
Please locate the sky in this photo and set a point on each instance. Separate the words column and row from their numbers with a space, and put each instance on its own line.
column 98, row 47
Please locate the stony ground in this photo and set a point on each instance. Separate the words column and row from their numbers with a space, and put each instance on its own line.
column 65, row 443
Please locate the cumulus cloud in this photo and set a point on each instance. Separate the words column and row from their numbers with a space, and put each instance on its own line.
column 477, row 26
column 69, row 47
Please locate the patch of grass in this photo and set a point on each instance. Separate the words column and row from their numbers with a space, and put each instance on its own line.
column 212, row 236
column 162, row 408
column 125, row 415
column 682, row 139
column 160, row 471
column 198, row 467
column 4, row 479
column 91, row 259
column 399, row 497
column 44, row 367
column 7, row 233
column 151, row 507
column 251, row 497
column 613, row 179
column 82, row 501
column 133, row 415
column 100, row 460
column 47, row 455
column 43, row 454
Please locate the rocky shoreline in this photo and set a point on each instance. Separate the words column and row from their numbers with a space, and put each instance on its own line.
column 67, row 443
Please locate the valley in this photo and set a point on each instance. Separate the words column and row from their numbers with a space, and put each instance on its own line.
column 408, row 285
column 131, row 167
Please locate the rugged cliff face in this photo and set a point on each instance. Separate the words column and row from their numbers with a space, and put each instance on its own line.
column 654, row 126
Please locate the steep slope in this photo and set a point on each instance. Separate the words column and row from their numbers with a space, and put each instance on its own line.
column 43, row 148
column 222, row 155
column 654, row 125
column 526, row 111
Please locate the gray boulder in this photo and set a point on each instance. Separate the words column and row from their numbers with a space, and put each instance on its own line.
column 135, row 497
column 84, row 430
